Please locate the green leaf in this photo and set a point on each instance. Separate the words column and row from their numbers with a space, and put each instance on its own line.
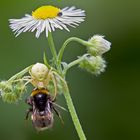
column 45, row 60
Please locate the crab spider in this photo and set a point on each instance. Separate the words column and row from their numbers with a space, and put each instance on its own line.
column 40, row 76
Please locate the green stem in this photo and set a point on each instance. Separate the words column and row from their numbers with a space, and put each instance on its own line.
column 57, row 62
column 73, row 63
column 74, row 116
column 72, row 110
column 20, row 74
column 52, row 47
column 60, row 54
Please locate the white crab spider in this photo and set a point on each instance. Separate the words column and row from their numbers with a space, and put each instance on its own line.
column 40, row 76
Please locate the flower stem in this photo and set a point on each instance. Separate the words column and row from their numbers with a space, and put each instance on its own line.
column 60, row 54
column 57, row 62
column 72, row 110
column 71, row 64
column 74, row 116
column 52, row 47
column 20, row 74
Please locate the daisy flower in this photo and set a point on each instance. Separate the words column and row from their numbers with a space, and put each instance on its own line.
column 47, row 18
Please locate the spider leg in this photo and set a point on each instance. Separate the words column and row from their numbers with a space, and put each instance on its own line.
column 48, row 76
column 29, row 81
column 55, row 86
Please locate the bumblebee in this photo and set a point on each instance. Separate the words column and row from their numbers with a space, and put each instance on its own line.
column 42, row 107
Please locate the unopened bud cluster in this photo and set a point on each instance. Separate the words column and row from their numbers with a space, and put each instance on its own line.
column 12, row 92
column 93, row 62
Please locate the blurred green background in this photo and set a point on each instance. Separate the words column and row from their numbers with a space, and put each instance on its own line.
column 108, row 105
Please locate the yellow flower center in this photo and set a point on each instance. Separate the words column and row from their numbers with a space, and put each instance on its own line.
column 45, row 12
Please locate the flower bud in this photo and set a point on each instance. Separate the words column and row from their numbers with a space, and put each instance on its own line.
column 94, row 65
column 39, row 71
column 9, row 97
column 99, row 44
column 3, row 84
column 7, row 86
column 11, row 92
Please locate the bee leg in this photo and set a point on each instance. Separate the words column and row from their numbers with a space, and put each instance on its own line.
column 29, row 101
column 30, row 110
column 58, row 114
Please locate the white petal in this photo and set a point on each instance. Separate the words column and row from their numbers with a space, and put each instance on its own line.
column 43, row 26
column 51, row 25
column 38, row 29
column 54, row 24
column 61, row 24
column 48, row 29
column 64, row 9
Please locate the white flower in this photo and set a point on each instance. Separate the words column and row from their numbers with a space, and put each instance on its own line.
column 99, row 44
column 48, row 18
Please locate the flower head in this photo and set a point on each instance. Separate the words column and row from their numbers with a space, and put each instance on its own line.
column 48, row 18
column 99, row 45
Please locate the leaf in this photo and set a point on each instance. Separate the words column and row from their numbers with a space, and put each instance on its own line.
column 45, row 60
